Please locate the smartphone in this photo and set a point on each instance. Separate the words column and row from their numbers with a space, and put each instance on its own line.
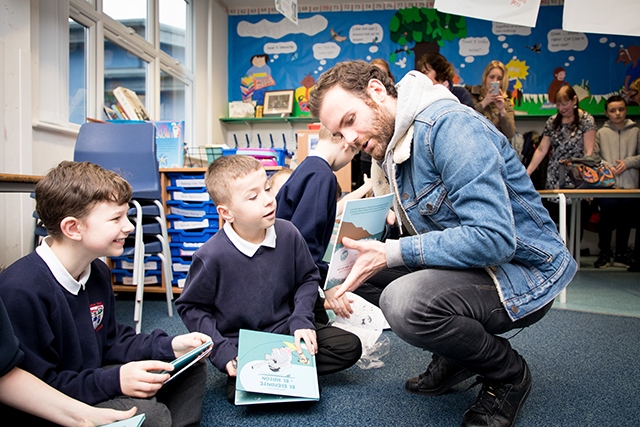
column 495, row 87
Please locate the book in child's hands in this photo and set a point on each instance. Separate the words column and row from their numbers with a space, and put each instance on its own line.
column 187, row 360
column 362, row 219
column 270, row 370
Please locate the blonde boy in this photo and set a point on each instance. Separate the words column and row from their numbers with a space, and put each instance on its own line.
column 61, row 304
column 256, row 273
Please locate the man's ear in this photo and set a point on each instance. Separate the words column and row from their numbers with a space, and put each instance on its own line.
column 225, row 213
column 70, row 227
column 377, row 91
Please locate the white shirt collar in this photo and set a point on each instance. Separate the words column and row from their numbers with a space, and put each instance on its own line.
column 248, row 248
column 59, row 272
column 317, row 154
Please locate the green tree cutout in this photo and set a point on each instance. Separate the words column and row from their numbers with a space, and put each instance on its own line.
column 426, row 29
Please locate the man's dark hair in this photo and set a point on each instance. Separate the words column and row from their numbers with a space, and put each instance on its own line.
column 352, row 76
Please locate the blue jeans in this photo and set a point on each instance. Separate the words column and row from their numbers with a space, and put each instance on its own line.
column 458, row 315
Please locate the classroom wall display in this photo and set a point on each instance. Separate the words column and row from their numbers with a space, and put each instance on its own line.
column 268, row 52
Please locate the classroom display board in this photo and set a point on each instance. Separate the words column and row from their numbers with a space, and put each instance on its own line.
column 268, row 52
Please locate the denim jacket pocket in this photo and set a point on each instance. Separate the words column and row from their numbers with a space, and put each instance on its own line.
column 434, row 205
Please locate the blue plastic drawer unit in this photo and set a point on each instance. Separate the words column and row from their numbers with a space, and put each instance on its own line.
column 126, row 263
column 195, row 194
column 179, row 222
column 191, row 209
column 189, row 180
column 184, row 249
column 125, row 277
column 194, row 236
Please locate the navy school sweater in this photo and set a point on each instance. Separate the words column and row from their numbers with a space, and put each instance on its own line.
column 67, row 339
column 308, row 199
column 225, row 291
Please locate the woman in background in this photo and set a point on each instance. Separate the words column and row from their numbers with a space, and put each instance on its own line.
column 569, row 133
column 440, row 71
column 492, row 100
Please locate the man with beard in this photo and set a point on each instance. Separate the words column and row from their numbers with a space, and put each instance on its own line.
column 478, row 254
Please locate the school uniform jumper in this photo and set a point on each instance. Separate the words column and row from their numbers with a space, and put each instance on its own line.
column 272, row 291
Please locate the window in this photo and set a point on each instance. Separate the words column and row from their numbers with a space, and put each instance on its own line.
column 123, row 68
column 173, row 27
column 77, row 72
column 172, row 97
column 130, row 13
column 120, row 45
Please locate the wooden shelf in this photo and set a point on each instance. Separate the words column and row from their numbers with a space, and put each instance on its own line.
column 269, row 119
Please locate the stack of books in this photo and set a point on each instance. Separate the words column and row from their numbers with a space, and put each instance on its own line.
column 127, row 107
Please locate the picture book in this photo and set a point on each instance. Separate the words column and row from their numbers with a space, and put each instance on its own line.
column 187, row 360
column 270, row 370
column 362, row 219
column 135, row 421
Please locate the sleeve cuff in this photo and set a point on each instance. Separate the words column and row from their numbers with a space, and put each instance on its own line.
column 393, row 253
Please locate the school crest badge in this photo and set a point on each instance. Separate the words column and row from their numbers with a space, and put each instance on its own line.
column 97, row 312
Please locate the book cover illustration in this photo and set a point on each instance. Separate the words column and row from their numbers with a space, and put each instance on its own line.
column 270, row 370
column 362, row 219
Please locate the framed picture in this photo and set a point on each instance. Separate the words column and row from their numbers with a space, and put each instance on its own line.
column 278, row 103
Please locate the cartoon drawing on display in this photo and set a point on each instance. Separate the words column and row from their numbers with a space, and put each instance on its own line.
column 629, row 55
column 257, row 79
column 301, row 95
column 535, row 48
column 559, row 75
column 516, row 71
column 426, row 29
column 336, row 36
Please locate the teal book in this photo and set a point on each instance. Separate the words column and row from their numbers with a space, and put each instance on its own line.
column 362, row 219
column 270, row 370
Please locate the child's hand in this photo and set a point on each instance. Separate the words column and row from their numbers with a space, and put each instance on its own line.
column 309, row 338
column 142, row 379
column 232, row 367
column 340, row 306
column 619, row 167
column 183, row 344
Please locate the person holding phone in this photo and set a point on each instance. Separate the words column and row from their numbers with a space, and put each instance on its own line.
column 492, row 100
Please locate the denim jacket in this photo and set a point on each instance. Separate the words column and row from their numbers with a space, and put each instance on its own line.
column 468, row 202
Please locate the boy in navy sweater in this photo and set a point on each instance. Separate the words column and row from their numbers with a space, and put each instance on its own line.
column 61, row 304
column 308, row 199
column 256, row 273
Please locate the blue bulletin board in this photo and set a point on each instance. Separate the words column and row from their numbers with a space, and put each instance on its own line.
column 268, row 52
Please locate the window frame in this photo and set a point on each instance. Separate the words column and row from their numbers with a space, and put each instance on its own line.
column 53, row 102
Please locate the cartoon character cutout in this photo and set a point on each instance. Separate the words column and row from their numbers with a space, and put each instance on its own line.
column 253, row 85
column 280, row 358
column 559, row 75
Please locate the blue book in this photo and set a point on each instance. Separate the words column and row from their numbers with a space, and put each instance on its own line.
column 362, row 219
column 270, row 370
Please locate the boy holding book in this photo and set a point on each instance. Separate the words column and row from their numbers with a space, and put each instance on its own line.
column 256, row 273
column 308, row 199
column 62, row 307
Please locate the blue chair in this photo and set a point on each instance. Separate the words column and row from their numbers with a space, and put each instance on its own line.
column 129, row 149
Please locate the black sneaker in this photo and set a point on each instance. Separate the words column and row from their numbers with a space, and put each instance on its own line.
column 603, row 261
column 231, row 389
column 498, row 404
column 623, row 260
column 440, row 376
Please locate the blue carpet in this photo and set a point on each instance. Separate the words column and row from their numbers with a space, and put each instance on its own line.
column 585, row 373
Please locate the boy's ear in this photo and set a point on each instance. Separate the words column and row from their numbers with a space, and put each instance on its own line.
column 70, row 227
column 225, row 213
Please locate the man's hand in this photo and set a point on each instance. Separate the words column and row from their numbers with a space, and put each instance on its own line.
column 619, row 167
column 309, row 338
column 340, row 306
column 142, row 379
column 371, row 260
column 232, row 367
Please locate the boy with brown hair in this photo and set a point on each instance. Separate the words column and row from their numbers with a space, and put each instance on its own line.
column 256, row 273
column 62, row 307
column 309, row 199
